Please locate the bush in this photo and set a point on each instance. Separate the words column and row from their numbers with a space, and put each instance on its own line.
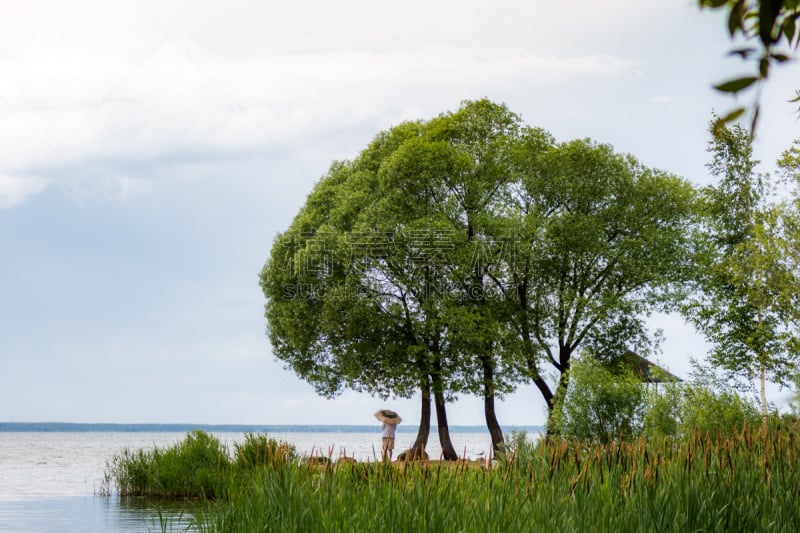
column 196, row 467
column 599, row 404
column 663, row 410
column 603, row 404
column 710, row 412
column 518, row 444
column 260, row 451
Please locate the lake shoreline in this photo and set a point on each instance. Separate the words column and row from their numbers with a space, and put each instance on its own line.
column 80, row 427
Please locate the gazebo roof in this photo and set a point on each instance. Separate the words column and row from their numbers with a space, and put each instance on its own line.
column 647, row 370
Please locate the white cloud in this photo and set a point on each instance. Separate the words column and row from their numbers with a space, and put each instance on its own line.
column 142, row 81
column 14, row 190
column 108, row 188
column 206, row 103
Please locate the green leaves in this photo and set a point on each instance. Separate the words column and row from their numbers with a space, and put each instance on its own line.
column 768, row 22
column 465, row 250
column 745, row 271
column 736, row 85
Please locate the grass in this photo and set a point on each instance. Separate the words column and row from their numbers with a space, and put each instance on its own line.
column 197, row 467
column 745, row 481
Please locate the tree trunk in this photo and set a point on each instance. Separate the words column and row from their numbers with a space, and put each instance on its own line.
column 764, row 412
column 558, row 405
column 418, row 448
column 498, row 444
column 544, row 388
column 530, row 353
column 448, row 452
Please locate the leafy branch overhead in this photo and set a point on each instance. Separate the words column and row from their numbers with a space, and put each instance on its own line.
column 767, row 26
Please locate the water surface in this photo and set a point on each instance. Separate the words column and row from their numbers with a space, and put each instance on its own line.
column 52, row 481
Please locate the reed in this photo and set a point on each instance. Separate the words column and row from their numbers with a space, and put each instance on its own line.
column 261, row 451
column 743, row 481
column 199, row 466
column 746, row 480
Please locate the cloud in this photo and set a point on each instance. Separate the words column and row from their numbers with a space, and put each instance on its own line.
column 94, row 87
column 203, row 103
column 15, row 190
column 108, row 188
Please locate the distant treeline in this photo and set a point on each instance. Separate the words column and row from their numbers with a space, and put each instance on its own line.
column 227, row 428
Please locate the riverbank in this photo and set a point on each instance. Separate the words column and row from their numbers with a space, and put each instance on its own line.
column 744, row 481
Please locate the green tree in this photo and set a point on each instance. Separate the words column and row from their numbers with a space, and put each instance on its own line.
column 481, row 138
column 600, row 404
column 601, row 241
column 464, row 254
column 747, row 285
column 347, row 307
column 398, row 224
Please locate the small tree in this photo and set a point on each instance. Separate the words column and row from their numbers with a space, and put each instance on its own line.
column 600, row 404
column 747, row 284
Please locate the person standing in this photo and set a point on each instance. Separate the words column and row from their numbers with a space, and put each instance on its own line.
column 390, row 419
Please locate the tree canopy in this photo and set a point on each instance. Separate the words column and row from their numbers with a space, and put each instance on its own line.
column 468, row 254
column 747, row 284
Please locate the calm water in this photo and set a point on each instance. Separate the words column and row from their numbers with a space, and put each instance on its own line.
column 49, row 481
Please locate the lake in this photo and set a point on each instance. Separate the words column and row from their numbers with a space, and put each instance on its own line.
column 50, row 481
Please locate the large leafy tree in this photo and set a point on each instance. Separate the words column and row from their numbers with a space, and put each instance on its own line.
column 602, row 240
column 397, row 225
column 347, row 305
column 746, row 302
column 468, row 253
column 481, row 139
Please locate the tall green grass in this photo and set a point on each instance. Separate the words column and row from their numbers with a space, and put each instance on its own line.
column 748, row 481
column 200, row 466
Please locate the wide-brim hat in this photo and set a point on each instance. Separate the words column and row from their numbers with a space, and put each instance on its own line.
column 387, row 416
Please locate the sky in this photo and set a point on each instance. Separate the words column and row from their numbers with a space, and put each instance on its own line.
column 151, row 151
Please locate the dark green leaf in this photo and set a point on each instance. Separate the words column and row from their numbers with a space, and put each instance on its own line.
column 713, row 4
column 735, row 19
column 719, row 124
column 734, row 86
column 768, row 11
column 789, row 29
column 744, row 53
column 780, row 58
column 733, row 115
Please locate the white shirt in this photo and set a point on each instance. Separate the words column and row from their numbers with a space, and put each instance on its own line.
column 388, row 429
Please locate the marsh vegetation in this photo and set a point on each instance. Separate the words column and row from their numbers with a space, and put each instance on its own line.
column 741, row 480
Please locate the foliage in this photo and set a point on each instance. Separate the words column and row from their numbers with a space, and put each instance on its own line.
column 712, row 412
column 518, row 443
column 664, row 406
column 196, row 467
column 766, row 25
column 747, row 283
column 606, row 402
column 468, row 253
column 600, row 404
column 261, row 451
column 701, row 484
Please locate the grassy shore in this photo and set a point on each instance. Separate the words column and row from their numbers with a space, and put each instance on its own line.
column 745, row 481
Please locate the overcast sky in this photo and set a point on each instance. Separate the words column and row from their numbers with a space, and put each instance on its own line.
column 152, row 150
